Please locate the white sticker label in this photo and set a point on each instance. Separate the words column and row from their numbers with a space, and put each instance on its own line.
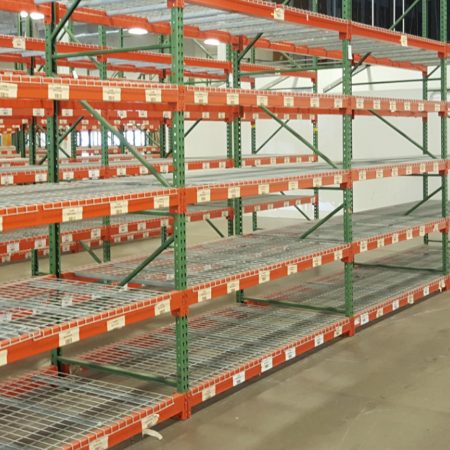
column 12, row 247
column 112, row 94
column 290, row 353
column 58, row 92
column 264, row 276
column 121, row 171
column 266, row 364
column 3, row 357
column 338, row 103
column 162, row 202
column 119, row 207
column 203, row 195
column 278, row 13
column 411, row 299
column 68, row 175
column 162, row 307
column 149, row 421
column 314, row 102
column 422, row 231
column 376, row 103
column 422, row 167
column 72, row 214
column 292, row 185
column 363, row 246
column 232, row 99
column 208, row 393
column 99, row 444
column 39, row 244
column 394, row 172
column 435, row 167
column 114, row 324
column 318, row 340
column 395, row 238
column 69, row 336
column 379, row 173
column 234, row 192
column 317, row 181
column 317, row 261
column 8, row 90
column 338, row 255
column 362, row 175
column 238, row 378
column 263, row 189
column 19, row 42
column 421, row 106
column 204, row 294
column 407, row 106
column 40, row 178
column 409, row 234
column 262, row 100
column 6, row 111
column 291, row 269
column 364, row 318
column 7, row 179
column 94, row 174
column 392, row 105
column 288, row 102
column 338, row 179
column 232, row 286
column 359, row 103
column 441, row 284
column 380, row 313
column 395, row 305
column 200, row 98
column 338, row 331
column 404, row 40
column 437, row 107
column 426, row 291
column 153, row 95
column 380, row 243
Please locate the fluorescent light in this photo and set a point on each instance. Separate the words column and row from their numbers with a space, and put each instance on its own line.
column 212, row 41
column 23, row 14
column 137, row 31
column 36, row 15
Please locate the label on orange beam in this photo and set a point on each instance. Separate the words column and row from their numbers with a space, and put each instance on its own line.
column 426, row 291
column 278, row 13
column 364, row 318
column 262, row 100
column 6, row 111
column 289, row 353
column 362, row 175
column 67, row 337
column 7, row 179
column 411, row 299
column 395, row 238
column 204, row 294
column 232, row 98
column 67, row 176
column 338, row 103
column 13, row 247
column 394, row 172
column 317, row 261
column 422, row 230
column 66, row 112
column 203, row 195
column 232, row 286
column 19, row 42
column 208, row 393
column 338, row 331
column 263, row 189
column 380, row 243
column 338, row 255
column 409, row 234
column 234, row 192
column 162, row 307
column 404, row 40
column 39, row 244
column 238, row 378
column 379, row 173
column 266, row 364
column 441, row 284
column 376, row 103
column 99, row 444
column 318, row 340
column 145, row 171
column 264, row 276
column 114, row 324
column 8, row 90
column 122, row 114
column 314, row 102
column 3, row 357
column 437, row 107
column 338, row 179
column 435, row 167
column 407, row 106
column 58, row 91
column 72, row 214
column 153, row 95
column 200, row 98
column 292, row 268
column 421, row 106
column 380, row 313
column 359, row 103
column 317, row 181
column 162, row 201
column 66, row 238
column 205, row 115
column 119, row 207
column 409, row 170
column 94, row 173
column 392, row 105
column 395, row 305
column 142, row 114
column 363, row 246
column 123, row 228
column 96, row 233
column 288, row 102
column 121, row 171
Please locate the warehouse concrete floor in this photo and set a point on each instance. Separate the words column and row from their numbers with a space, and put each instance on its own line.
column 387, row 388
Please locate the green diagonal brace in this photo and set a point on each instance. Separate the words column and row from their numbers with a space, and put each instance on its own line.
column 321, row 222
column 300, row 138
column 407, row 213
column 188, row 132
column 401, row 133
column 91, row 253
column 249, row 47
column 124, row 142
column 214, row 228
column 271, row 137
column 64, row 19
column 146, row 261
column 69, row 130
column 299, row 210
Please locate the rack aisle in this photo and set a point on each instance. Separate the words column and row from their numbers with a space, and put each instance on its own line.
column 93, row 201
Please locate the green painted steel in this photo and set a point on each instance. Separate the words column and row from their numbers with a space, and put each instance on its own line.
column 177, row 75
column 444, row 131
column 322, row 221
column 253, row 141
column 347, row 155
column 271, row 136
column 315, row 8
column 90, row 252
column 286, row 304
column 425, row 79
column 424, row 200
column 229, row 144
column 73, row 144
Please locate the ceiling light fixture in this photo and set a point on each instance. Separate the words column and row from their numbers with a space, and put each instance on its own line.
column 36, row 15
column 212, row 41
column 23, row 14
column 137, row 31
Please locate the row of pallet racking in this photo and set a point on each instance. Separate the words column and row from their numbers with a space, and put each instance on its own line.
column 194, row 359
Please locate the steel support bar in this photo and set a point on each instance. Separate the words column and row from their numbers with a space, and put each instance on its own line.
column 108, row 51
column 285, row 304
column 300, row 138
column 395, row 267
column 69, row 130
column 403, row 134
column 271, row 136
column 251, row 44
column 407, row 11
column 425, row 79
column 130, row 148
column 299, row 210
column 253, row 139
column 91, row 252
column 64, row 19
column 424, row 200
column 191, row 129
column 209, row 222
column 63, row 151
column 322, row 221
column 116, row 370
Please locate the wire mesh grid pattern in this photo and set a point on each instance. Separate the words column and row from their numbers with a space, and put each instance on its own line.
column 370, row 284
column 218, row 342
column 29, row 308
column 47, row 411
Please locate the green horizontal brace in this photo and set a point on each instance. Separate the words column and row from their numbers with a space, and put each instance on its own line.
column 434, row 70
column 329, row 309
column 271, row 136
column 407, row 213
column 299, row 210
column 69, row 130
column 249, row 47
column 364, row 83
column 214, row 228
column 269, row 72
column 328, row 188
column 300, row 138
column 116, row 370
column 109, row 51
column 401, row 133
column 91, row 252
column 147, row 261
column 394, row 267
column 64, row 19
column 125, row 143
column 321, row 221
column 155, row 213
column 75, row 39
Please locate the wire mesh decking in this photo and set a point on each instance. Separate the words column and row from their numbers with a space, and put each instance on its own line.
column 48, row 411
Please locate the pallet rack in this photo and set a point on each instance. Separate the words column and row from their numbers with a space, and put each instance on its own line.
column 234, row 344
